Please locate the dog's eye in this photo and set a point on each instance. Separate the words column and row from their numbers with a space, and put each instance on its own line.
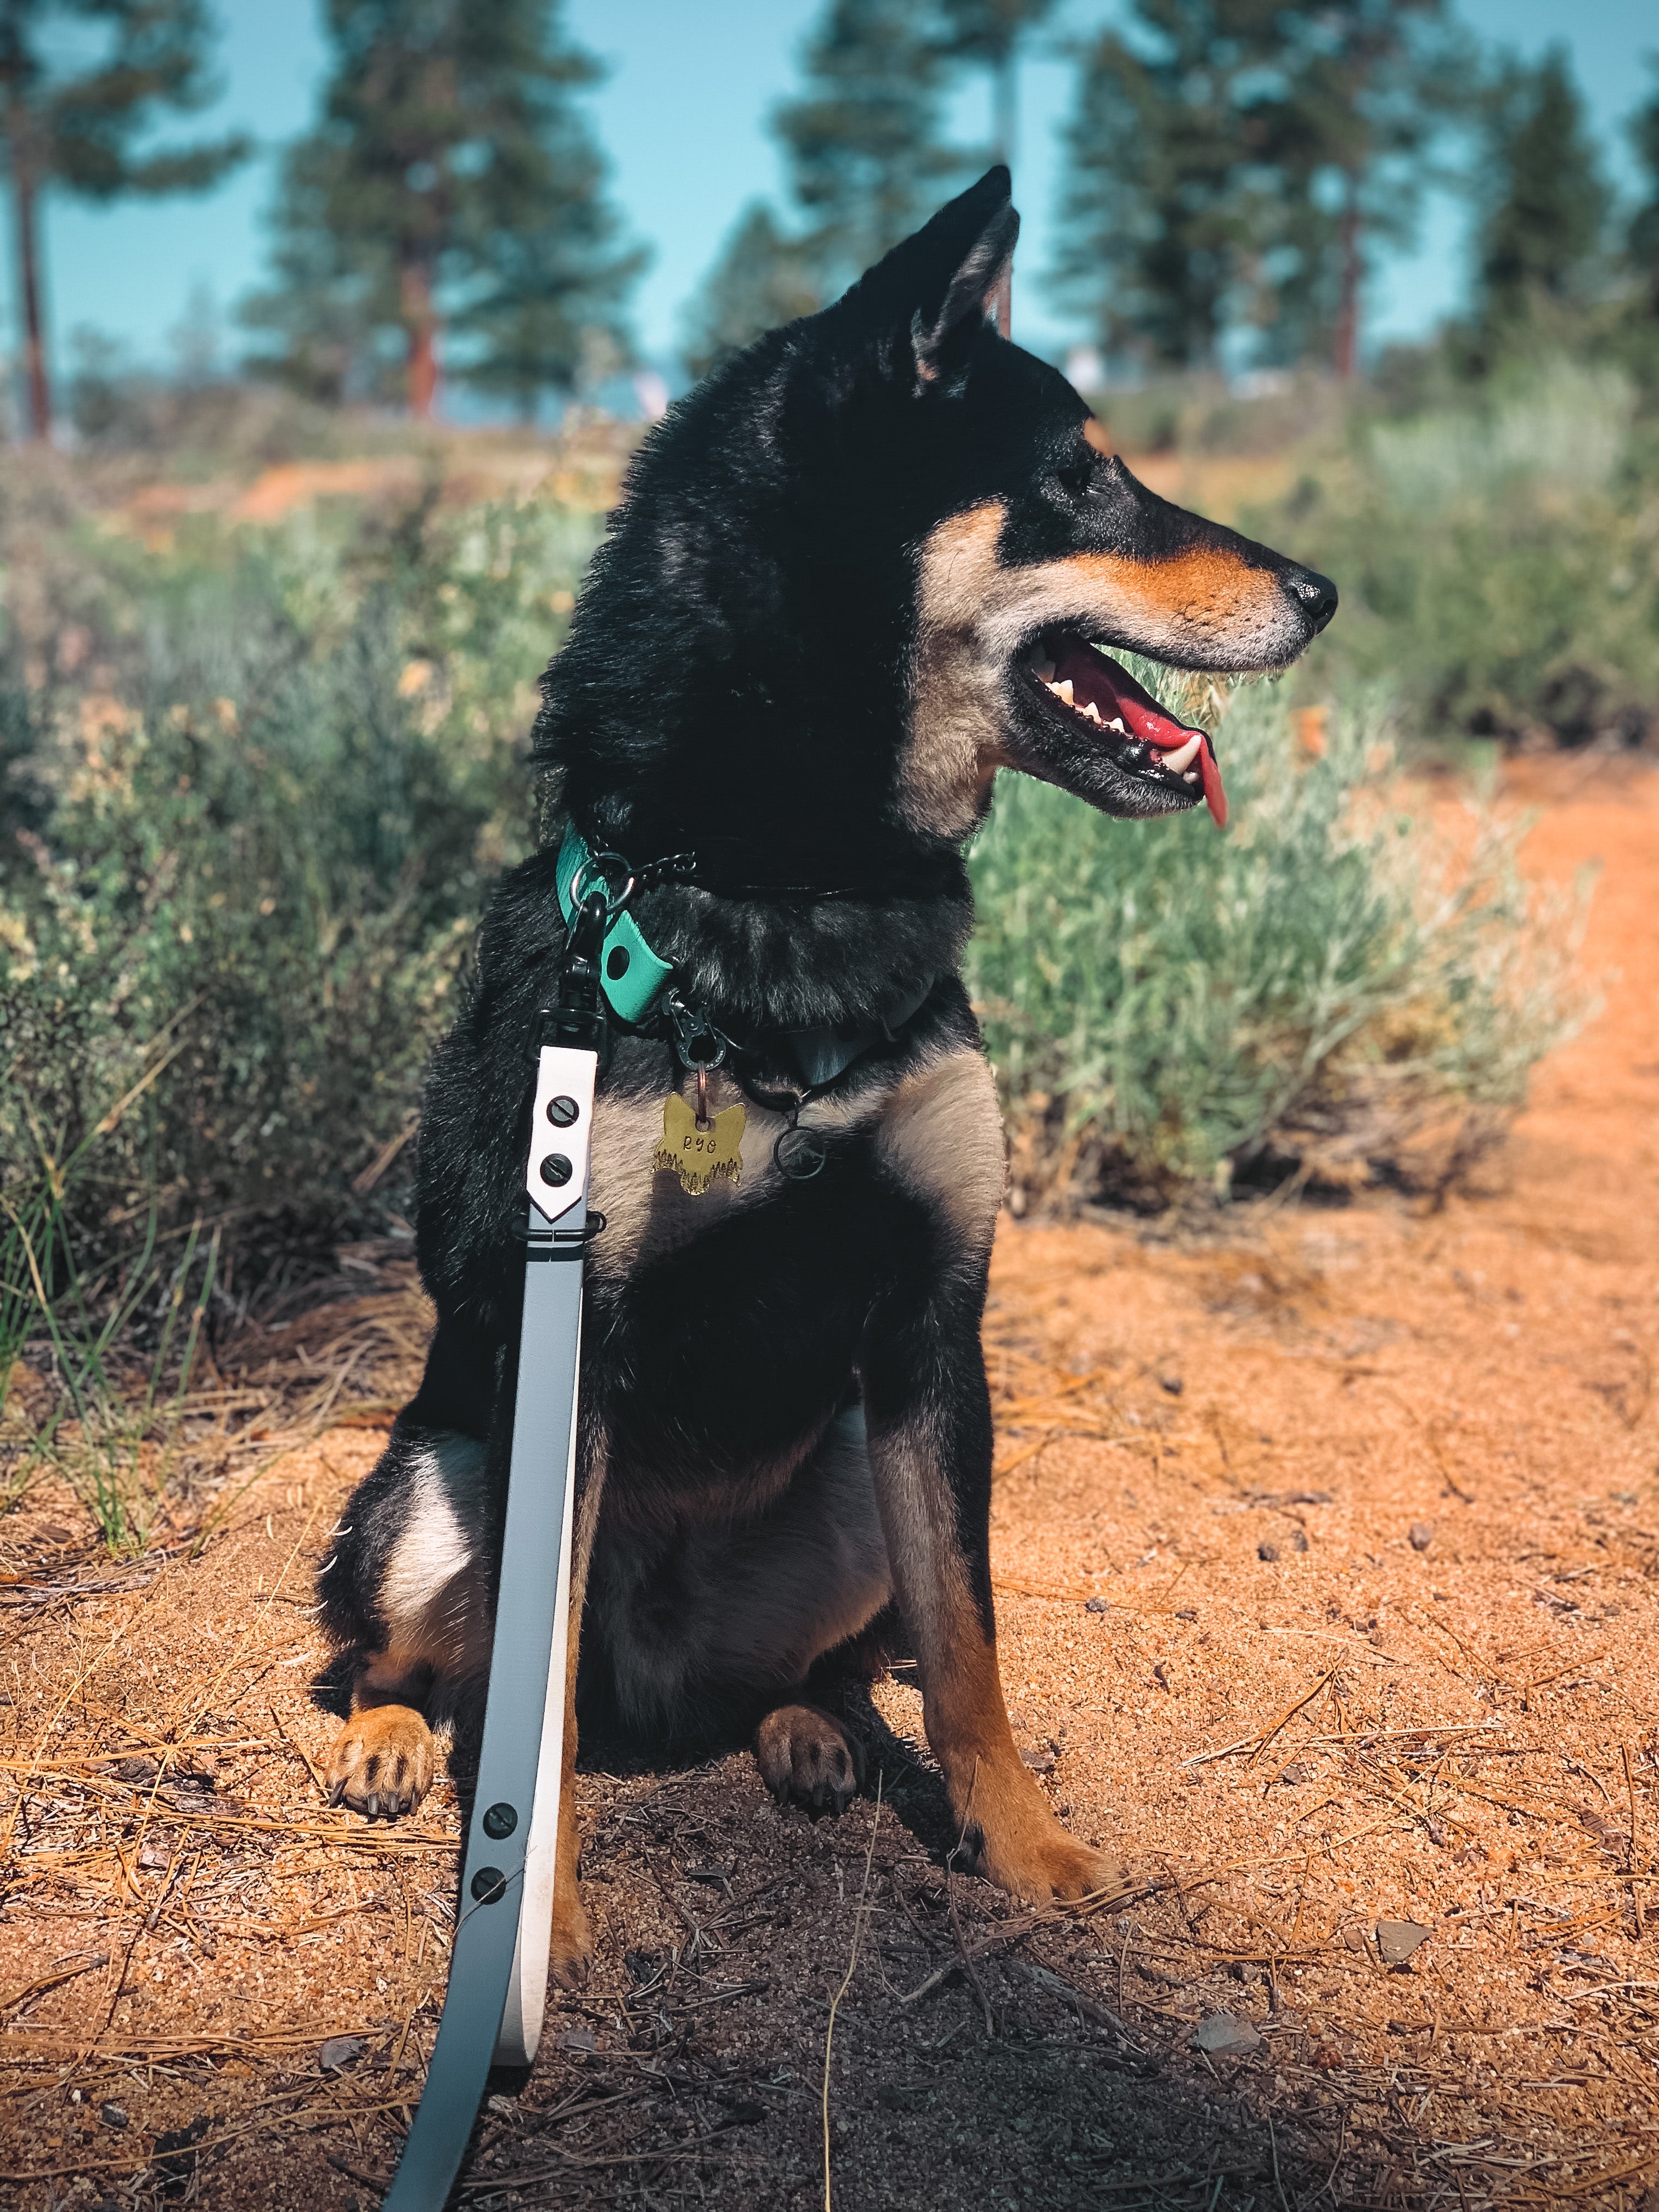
column 1076, row 477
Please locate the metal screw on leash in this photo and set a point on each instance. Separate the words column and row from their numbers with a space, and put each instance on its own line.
column 500, row 1821
column 556, row 1170
column 489, row 1885
column 561, row 1112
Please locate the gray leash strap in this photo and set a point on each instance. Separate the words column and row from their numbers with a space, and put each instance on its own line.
column 497, row 1988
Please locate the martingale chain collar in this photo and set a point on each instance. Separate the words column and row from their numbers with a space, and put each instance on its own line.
column 638, row 983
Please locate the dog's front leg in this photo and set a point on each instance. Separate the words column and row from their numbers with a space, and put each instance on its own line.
column 572, row 1932
column 928, row 1413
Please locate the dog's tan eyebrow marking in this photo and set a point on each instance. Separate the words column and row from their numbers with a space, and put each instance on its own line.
column 1097, row 435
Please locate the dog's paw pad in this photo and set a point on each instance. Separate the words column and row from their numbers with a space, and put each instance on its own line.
column 806, row 1754
column 383, row 1762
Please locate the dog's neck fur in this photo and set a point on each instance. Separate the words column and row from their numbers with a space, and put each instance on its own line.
column 746, row 693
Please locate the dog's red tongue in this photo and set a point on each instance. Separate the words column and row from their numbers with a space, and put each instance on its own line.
column 1115, row 692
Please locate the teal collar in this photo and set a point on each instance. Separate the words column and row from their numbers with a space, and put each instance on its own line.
column 633, row 976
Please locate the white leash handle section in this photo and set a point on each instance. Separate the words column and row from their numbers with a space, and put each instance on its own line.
column 520, row 2030
column 498, row 1967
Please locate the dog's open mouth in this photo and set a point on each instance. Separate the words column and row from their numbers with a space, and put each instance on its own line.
column 1088, row 685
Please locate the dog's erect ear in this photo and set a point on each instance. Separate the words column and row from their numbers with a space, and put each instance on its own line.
column 936, row 290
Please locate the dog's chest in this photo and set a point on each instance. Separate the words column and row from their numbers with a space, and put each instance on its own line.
column 665, row 1180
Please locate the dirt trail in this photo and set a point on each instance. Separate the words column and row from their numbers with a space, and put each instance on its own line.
column 1325, row 1551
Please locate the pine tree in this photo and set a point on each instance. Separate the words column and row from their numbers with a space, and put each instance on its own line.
column 75, row 125
column 865, row 165
column 1368, row 87
column 990, row 33
column 1160, row 207
column 1230, row 159
column 1641, row 241
column 1546, row 204
column 761, row 278
column 865, row 162
column 450, row 177
column 545, row 310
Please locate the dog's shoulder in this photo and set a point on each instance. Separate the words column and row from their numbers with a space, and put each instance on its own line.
column 938, row 1137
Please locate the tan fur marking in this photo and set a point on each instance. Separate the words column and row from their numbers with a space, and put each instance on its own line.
column 1175, row 606
column 1098, row 436
column 645, row 1213
column 572, row 1932
column 433, row 1607
column 1022, row 1845
column 384, row 1758
column 806, row 1754
column 1023, row 1848
column 975, row 613
column 941, row 1136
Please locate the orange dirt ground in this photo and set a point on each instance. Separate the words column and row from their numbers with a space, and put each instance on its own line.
column 1325, row 1548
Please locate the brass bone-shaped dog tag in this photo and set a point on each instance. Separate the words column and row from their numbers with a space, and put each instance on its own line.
column 697, row 1156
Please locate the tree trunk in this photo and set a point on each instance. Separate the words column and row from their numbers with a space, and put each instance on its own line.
column 1005, row 106
column 29, row 278
column 1344, row 349
column 420, row 322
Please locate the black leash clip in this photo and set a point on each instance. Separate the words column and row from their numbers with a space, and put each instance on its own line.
column 576, row 1016
column 698, row 1042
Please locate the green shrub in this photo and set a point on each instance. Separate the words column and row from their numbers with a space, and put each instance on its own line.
column 1498, row 559
column 1166, row 1006
column 267, row 842
column 250, row 821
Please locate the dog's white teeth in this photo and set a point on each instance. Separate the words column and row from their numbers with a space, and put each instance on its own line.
column 1064, row 691
column 1116, row 723
column 1092, row 711
column 1190, row 775
column 1043, row 671
column 1183, row 756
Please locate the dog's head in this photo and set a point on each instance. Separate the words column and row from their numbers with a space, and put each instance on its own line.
column 883, row 554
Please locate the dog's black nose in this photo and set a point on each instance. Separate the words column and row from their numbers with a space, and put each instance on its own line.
column 1316, row 595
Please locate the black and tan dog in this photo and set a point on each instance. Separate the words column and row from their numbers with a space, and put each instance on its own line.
column 856, row 573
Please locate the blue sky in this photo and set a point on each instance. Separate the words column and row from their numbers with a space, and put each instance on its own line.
column 682, row 115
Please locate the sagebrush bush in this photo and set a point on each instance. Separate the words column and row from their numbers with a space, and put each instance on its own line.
column 259, row 853
column 251, row 828
column 1499, row 558
column 1166, row 1007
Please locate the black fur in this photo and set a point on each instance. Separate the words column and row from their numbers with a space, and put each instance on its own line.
column 739, row 681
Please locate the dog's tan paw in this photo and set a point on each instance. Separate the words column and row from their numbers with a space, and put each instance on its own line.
column 383, row 1762
column 1014, row 1840
column 806, row 1754
column 572, row 1957
column 1057, row 1868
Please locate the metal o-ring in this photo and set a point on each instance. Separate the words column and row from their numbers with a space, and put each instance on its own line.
column 799, row 1154
column 582, row 885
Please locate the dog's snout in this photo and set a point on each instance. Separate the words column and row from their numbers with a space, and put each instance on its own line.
column 1314, row 595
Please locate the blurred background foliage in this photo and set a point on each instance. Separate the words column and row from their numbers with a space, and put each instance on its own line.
column 269, row 636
